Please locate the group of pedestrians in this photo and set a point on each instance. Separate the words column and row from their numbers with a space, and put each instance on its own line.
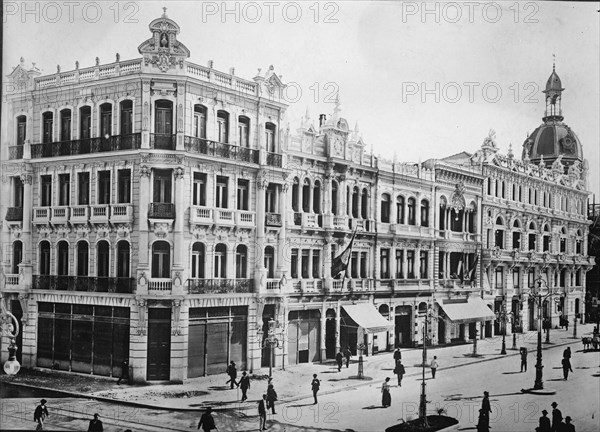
column 340, row 356
column 41, row 412
column 557, row 424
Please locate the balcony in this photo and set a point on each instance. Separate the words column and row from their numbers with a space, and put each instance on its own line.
column 273, row 219
column 11, row 280
column 274, row 160
column 80, row 214
column 121, row 213
column 84, row 283
column 15, row 152
column 364, row 225
column 308, row 220
column 163, row 141
column 273, row 285
column 41, row 215
column 224, row 217
column 360, row 285
column 220, row 286
column 340, row 222
column 161, row 211
column 201, row 215
column 86, row 146
column 245, row 219
column 14, row 214
column 220, row 150
column 99, row 214
column 160, row 285
column 60, row 215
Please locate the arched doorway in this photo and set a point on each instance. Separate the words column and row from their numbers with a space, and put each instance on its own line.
column 330, row 348
column 403, row 329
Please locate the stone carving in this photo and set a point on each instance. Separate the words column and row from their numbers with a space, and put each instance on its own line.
column 176, row 317
column 458, row 199
column 142, row 306
column 144, row 171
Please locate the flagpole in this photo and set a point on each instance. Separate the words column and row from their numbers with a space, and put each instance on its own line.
column 349, row 257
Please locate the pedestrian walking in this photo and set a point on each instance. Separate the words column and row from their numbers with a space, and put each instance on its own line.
column 386, row 397
column 339, row 358
column 397, row 356
column 244, row 385
column 95, row 424
column 434, row 366
column 567, row 324
column 347, row 354
column 399, row 371
column 40, row 413
column 316, row 384
column 556, row 417
column 207, row 422
column 124, row 372
column 523, row 352
column 566, row 366
column 544, row 423
column 567, row 353
column 232, row 372
column 569, row 427
column 271, row 398
column 262, row 412
column 484, row 413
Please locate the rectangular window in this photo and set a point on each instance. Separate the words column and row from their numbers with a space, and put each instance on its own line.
column 384, row 263
column 294, row 264
column 126, row 117
column 531, row 278
column 221, row 192
column 83, row 188
column 65, row 125
column 270, row 137
column 532, row 245
column 410, row 264
column 199, row 189
column 304, row 263
column 242, row 195
column 516, row 278
column 64, row 189
column 199, row 121
column 399, row 263
column 104, row 187
column 316, row 264
column 244, row 131
column 85, row 122
column 48, row 123
column 354, row 265
column 546, row 244
column 124, row 186
column 21, row 130
column 499, row 277
column 18, row 192
column 162, row 186
column 363, row 265
column 46, row 190
column 516, row 240
column 424, row 265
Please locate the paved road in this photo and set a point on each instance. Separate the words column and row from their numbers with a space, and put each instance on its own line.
column 458, row 390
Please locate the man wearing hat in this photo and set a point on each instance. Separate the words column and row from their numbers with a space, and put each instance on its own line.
column 40, row 413
column 207, row 422
column 544, row 423
column 484, row 412
column 556, row 417
column 95, row 425
column 568, row 426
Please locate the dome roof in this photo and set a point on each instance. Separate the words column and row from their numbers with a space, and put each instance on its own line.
column 550, row 140
column 554, row 83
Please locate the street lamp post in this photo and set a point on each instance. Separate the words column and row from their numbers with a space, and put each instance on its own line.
column 10, row 328
column 575, row 327
column 423, row 400
column 515, row 321
column 271, row 341
column 503, row 316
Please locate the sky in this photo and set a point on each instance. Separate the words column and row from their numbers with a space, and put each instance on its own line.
column 421, row 80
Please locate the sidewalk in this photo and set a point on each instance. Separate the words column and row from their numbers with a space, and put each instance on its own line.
column 295, row 382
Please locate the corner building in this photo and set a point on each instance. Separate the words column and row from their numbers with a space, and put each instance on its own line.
column 162, row 211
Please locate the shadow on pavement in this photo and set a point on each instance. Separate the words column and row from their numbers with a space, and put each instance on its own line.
column 510, row 373
column 374, row 407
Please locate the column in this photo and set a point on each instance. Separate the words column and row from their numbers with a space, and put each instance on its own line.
column 404, row 264
column 260, row 274
column 26, row 267
column 391, row 333
column 146, row 108
column 179, row 109
column 323, row 323
column 338, row 311
column 418, row 262
column 418, row 209
column 144, row 199
column 326, row 270
column 310, row 263
column 282, row 239
column 179, row 256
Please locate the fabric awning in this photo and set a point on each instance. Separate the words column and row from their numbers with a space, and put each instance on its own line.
column 467, row 311
column 369, row 318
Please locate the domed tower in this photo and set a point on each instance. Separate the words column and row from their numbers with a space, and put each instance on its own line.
column 553, row 139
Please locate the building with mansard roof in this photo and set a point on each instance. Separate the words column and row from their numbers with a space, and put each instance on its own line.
column 164, row 212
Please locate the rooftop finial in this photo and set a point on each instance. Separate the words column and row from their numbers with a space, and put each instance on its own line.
column 553, row 62
column 164, row 15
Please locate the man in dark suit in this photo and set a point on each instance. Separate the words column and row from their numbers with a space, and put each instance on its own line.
column 244, row 385
column 556, row 417
column 40, row 413
column 207, row 422
column 95, row 425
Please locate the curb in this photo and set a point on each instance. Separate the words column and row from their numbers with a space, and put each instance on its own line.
column 229, row 405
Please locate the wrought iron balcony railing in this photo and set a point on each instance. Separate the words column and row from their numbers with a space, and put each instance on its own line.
column 275, row 160
column 273, row 219
column 86, row 146
column 221, row 150
column 161, row 210
column 14, row 214
column 123, row 285
column 15, row 152
column 220, row 286
column 163, row 141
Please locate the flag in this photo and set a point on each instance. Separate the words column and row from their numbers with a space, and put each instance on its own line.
column 473, row 270
column 340, row 263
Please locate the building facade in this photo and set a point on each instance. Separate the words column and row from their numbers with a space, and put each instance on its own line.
column 164, row 212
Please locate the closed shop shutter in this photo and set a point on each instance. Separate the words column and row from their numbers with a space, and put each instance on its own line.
column 292, row 342
column 196, row 351
column 217, row 342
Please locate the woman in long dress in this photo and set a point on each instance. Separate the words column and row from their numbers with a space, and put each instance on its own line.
column 386, row 397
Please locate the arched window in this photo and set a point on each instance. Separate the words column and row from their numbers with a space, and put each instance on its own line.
column 62, row 262
column 385, row 208
column 563, row 240
column 296, row 195
column 270, row 141
column 306, row 196
column 105, row 120
column 270, row 262
column 83, row 258
column 123, row 258
column 126, row 119
column 334, row 198
column 241, row 262
column 65, row 125
column 161, row 259
column 199, row 123
column 223, row 126
column 424, row 213
column 355, row 202
column 364, row 204
column 400, row 209
column 17, row 256
column 514, row 192
column 47, row 126
column 244, row 131
column 532, row 237
column 220, row 261
column 317, row 197
column 516, row 235
column 163, row 120
column 489, row 186
column 44, row 258
column 546, row 239
column 503, row 189
column 103, row 259
column 579, row 243
column 411, row 211
column 198, row 259
column 499, row 237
